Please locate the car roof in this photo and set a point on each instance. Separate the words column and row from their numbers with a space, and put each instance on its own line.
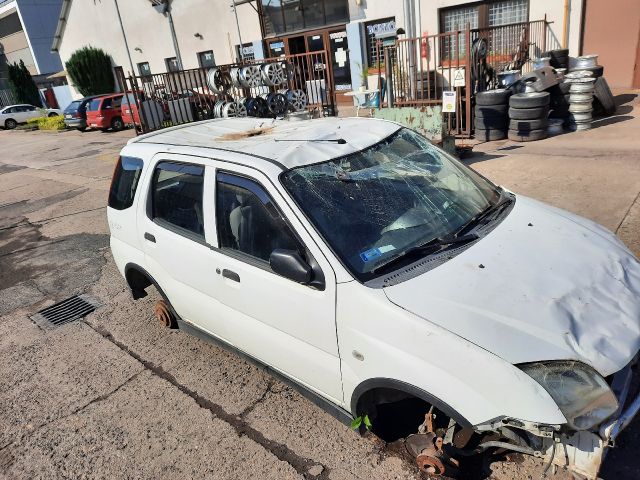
column 288, row 143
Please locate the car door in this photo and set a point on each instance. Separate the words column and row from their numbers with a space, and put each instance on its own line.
column 284, row 324
column 171, row 226
column 31, row 112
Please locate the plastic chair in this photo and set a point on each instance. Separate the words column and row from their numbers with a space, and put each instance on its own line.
column 374, row 100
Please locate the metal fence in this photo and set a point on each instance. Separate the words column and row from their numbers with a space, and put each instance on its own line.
column 7, row 98
column 261, row 88
column 465, row 61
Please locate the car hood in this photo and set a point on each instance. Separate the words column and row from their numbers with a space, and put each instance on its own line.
column 543, row 285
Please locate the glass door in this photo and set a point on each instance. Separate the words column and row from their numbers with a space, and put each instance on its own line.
column 339, row 53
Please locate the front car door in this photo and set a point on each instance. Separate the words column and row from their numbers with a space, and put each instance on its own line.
column 284, row 324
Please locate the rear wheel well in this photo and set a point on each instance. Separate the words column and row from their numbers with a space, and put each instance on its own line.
column 138, row 280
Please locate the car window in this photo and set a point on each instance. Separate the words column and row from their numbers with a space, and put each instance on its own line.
column 29, row 108
column 106, row 103
column 95, row 104
column 248, row 220
column 117, row 101
column 73, row 106
column 177, row 195
column 125, row 182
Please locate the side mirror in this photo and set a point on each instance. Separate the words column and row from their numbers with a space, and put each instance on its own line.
column 291, row 265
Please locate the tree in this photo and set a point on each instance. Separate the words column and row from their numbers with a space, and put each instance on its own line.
column 90, row 71
column 22, row 85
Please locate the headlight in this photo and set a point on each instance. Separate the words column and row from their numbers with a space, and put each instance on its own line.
column 580, row 392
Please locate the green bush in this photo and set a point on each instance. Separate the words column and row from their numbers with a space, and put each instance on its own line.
column 90, row 71
column 22, row 85
column 47, row 123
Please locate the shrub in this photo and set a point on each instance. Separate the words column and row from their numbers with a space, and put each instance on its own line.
column 47, row 123
column 22, row 85
column 90, row 71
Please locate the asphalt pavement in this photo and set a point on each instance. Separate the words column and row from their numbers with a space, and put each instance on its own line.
column 116, row 395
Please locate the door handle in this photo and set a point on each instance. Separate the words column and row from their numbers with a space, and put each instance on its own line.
column 231, row 275
column 148, row 236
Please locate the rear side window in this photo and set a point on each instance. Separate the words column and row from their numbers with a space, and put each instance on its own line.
column 125, row 182
column 176, row 192
column 94, row 105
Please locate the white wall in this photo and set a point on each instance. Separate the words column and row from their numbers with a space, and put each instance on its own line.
column 96, row 24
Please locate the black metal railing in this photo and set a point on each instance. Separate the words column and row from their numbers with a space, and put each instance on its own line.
column 260, row 88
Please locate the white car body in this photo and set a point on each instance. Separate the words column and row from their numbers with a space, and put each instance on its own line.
column 542, row 285
column 22, row 113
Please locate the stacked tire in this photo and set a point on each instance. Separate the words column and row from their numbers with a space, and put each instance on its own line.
column 559, row 101
column 528, row 113
column 603, row 101
column 558, row 58
column 491, row 120
column 581, row 103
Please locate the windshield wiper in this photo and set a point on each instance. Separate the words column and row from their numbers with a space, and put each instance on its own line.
column 493, row 208
column 432, row 246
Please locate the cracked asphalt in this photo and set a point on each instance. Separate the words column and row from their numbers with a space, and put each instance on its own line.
column 118, row 396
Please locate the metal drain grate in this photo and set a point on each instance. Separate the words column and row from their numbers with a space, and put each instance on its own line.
column 73, row 308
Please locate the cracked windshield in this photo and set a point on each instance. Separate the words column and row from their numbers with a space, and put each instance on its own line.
column 375, row 205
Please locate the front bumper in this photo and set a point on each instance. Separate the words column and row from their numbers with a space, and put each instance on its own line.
column 583, row 452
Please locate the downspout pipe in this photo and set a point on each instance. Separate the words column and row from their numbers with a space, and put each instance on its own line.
column 174, row 37
column 565, row 24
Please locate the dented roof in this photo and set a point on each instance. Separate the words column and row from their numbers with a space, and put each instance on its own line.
column 290, row 143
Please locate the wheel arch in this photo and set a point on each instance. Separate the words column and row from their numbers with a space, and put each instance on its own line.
column 372, row 384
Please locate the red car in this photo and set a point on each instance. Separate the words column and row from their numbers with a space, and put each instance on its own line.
column 153, row 112
column 105, row 112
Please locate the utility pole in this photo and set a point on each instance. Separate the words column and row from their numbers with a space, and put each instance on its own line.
column 164, row 7
column 124, row 36
column 235, row 11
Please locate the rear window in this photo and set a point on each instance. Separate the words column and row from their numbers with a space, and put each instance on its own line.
column 125, row 182
column 73, row 106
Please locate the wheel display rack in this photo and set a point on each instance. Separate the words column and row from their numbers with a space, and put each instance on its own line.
column 266, row 89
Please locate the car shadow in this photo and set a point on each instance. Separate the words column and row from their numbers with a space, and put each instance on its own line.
column 477, row 157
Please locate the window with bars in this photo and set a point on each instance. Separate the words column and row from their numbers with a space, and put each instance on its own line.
column 375, row 56
column 245, row 52
column 482, row 15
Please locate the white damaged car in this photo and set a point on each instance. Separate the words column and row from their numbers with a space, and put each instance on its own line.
column 388, row 282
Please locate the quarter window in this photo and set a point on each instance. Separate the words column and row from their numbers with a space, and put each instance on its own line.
column 177, row 196
column 206, row 59
column 248, row 220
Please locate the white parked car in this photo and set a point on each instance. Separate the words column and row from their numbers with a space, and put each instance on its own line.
column 12, row 115
column 385, row 279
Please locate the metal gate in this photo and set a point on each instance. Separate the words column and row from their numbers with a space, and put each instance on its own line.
column 262, row 88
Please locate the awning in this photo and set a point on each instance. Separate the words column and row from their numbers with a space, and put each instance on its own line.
column 60, row 74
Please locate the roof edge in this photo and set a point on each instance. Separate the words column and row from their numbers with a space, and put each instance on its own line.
column 62, row 25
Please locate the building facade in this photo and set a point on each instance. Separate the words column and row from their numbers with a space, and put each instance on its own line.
column 26, row 33
column 142, row 40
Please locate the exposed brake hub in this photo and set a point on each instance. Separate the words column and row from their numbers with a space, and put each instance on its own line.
column 426, row 447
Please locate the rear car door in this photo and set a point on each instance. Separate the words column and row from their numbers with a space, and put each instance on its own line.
column 171, row 227
column 282, row 323
column 32, row 112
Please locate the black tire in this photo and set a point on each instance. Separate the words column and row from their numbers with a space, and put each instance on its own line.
column 10, row 124
column 52, row 115
column 558, row 58
column 559, row 112
column 602, row 93
column 491, row 111
column 531, row 136
column 529, row 100
column 82, row 129
column 564, row 87
column 491, row 123
column 528, row 113
column 560, row 101
column 493, row 97
column 528, row 125
column 117, row 124
column 490, row 135
column 598, row 70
